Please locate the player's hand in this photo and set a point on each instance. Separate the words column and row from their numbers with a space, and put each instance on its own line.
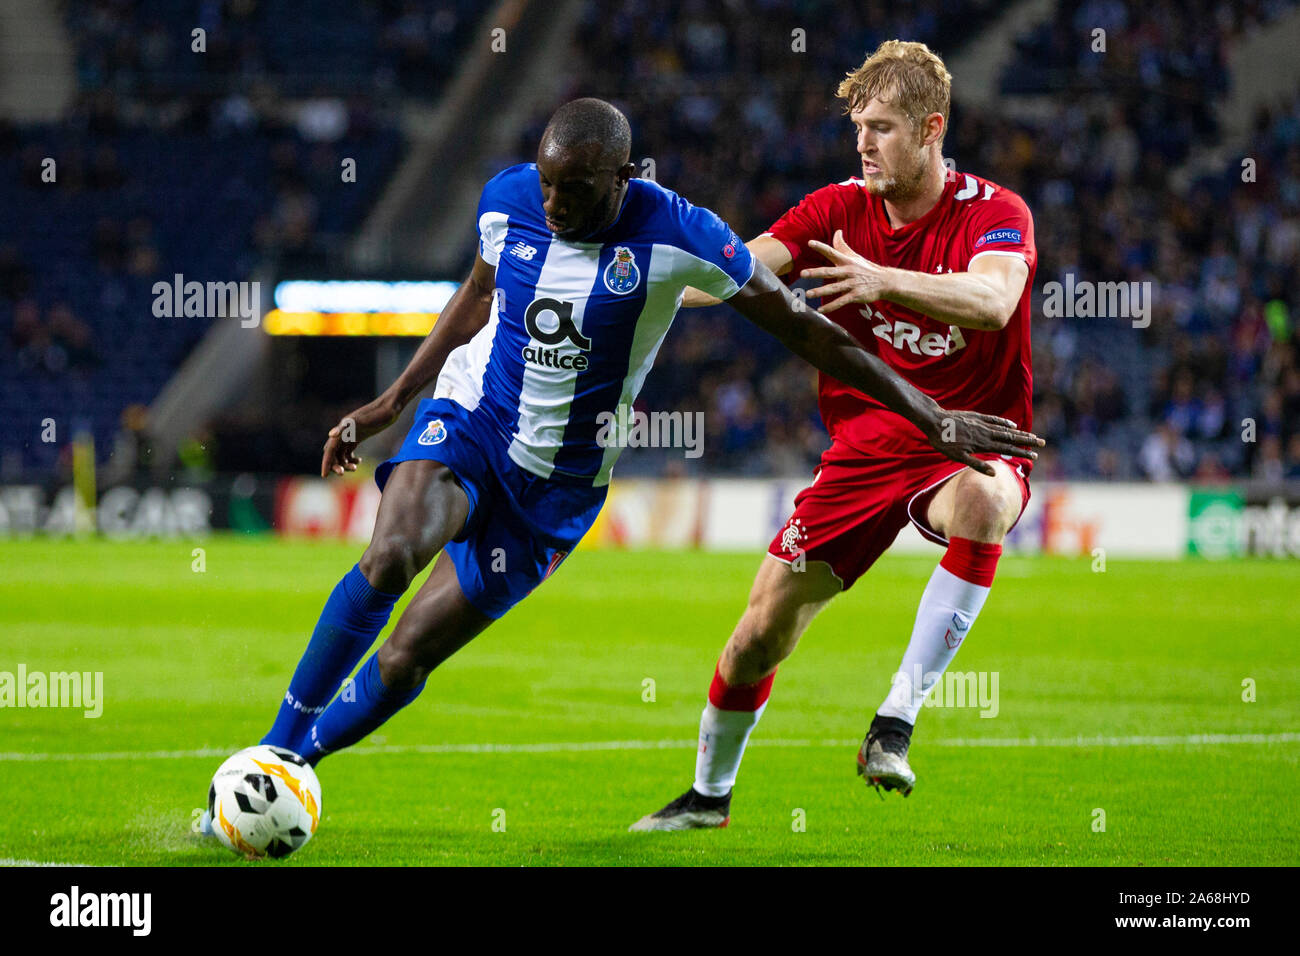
column 852, row 278
column 341, row 445
column 963, row 435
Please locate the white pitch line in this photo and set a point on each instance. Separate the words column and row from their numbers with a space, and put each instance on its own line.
column 119, row 755
column 1097, row 740
column 9, row 861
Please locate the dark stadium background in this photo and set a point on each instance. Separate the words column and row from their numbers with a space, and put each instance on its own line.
column 224, row 166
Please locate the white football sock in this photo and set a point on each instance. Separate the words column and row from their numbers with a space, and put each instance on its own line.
column 948, row 608
column 723, row 735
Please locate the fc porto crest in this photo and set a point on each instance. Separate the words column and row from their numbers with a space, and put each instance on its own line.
column 435, row 434
column 622, row 274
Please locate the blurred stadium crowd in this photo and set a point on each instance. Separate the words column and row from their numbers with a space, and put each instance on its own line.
column 205, row 166
column 731, row 118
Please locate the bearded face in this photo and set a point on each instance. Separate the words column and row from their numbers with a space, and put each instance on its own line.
column 892, row 151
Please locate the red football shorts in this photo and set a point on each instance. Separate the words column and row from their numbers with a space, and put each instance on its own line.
column 857, row 504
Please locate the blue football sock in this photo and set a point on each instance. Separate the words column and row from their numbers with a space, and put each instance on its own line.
column 363, row 706
column 353, row 617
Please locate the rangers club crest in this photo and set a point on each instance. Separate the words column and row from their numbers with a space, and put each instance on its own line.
column 622, row 275
column 792, row 536
column 435, row 434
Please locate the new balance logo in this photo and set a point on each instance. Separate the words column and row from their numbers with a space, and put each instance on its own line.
column 523, row 250
column 901, row 334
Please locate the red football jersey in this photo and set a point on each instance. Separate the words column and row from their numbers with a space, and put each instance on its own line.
column 961, row 369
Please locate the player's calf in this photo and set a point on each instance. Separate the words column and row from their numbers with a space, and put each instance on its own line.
column 765, row 636
column 781, row 605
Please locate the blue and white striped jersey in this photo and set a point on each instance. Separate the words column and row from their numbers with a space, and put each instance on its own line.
column 575, row 326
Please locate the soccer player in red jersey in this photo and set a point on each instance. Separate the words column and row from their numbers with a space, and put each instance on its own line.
column 932, row 270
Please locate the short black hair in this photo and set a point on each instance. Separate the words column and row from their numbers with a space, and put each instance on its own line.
column 591, row 120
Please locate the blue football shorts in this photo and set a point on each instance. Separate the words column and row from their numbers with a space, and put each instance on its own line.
column 520, row 525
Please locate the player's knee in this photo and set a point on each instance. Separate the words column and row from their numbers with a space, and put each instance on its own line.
column 400, row 668
column 985, row 508
column 392, row 561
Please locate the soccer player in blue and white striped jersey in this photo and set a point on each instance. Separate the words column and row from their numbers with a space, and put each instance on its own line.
column 579, row 272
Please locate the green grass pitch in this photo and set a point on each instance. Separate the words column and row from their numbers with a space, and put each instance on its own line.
column 522, row 729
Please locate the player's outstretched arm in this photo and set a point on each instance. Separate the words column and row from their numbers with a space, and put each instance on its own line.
column 766, row 302
column 465, row 313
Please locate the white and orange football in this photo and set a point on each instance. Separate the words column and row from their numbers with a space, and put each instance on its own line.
column 264, row 802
